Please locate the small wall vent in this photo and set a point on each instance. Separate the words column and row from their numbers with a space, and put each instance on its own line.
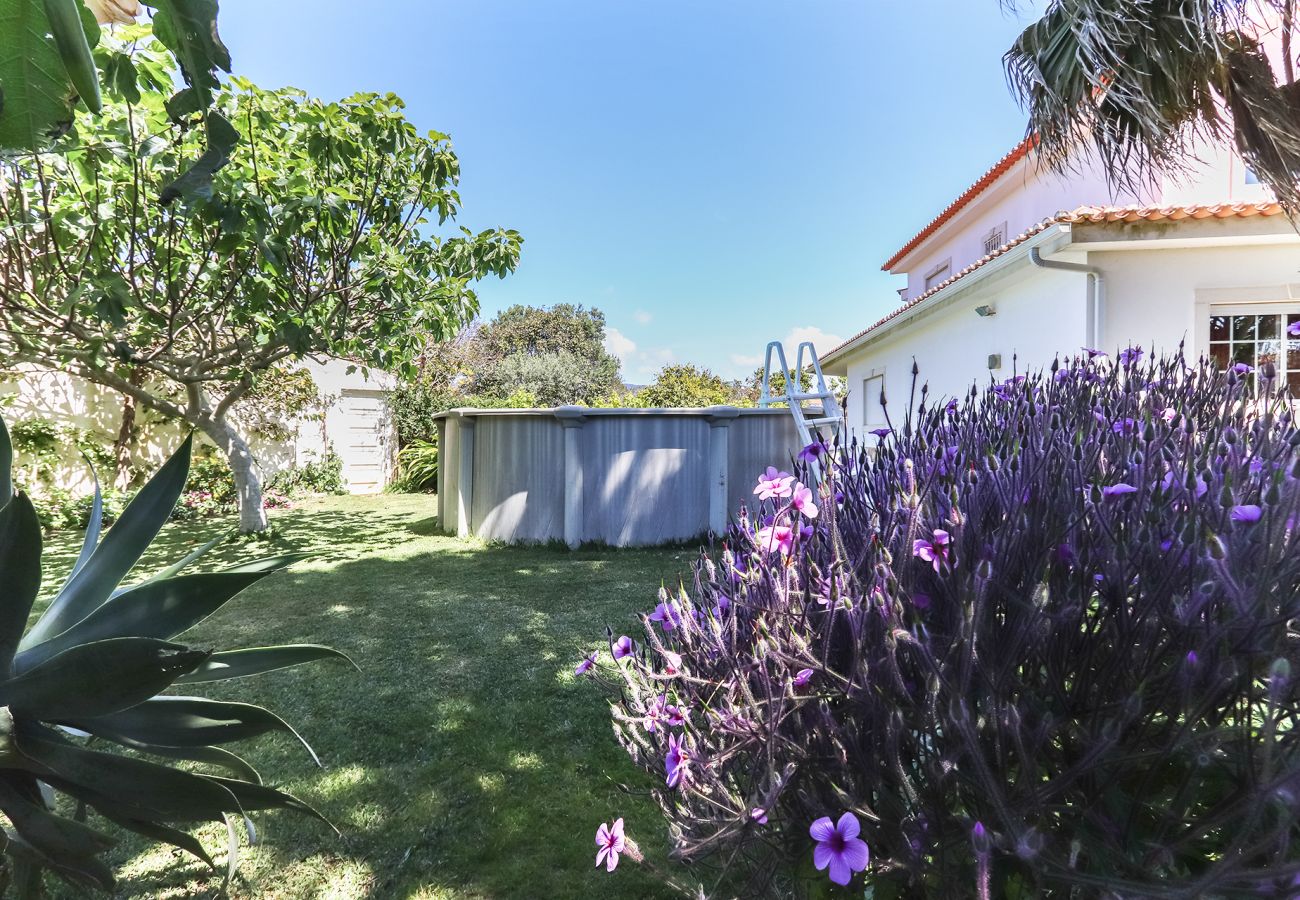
column 995, row 360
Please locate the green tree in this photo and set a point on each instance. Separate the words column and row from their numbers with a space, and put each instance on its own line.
column 51, row 64
column 684, row 385
column 1145, row 81
column 557, row 353
column 315, row 236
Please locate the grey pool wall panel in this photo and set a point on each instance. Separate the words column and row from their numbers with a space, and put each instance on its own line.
column 622, row 477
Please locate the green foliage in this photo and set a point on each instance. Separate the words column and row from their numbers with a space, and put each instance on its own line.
column 41, row 446
column 95, row 661
column 317, row 476
column 1147, row 84
column 417, row 467
column 58, row 508
column 684, row 385
column 280, row 396
column 47, row 66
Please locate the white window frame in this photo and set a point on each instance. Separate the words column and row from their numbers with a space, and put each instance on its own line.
column 1281, row 308
column 945, row 267
column 867, row 394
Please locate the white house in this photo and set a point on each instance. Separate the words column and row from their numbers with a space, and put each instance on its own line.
column 1025, row 265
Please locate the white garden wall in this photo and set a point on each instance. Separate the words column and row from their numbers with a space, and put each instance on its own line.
column 355, row 423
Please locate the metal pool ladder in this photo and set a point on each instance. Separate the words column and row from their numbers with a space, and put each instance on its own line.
column 825, row 413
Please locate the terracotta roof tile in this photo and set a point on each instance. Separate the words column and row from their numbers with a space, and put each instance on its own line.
column 1000, row 168
column 1084, row 215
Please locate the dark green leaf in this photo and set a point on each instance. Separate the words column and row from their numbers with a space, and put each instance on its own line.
column 144, row 789
column 196, row 181
column 256, row 660
column 36, row 88
column 188, row 722
column 269, row 563
column 98, row 678
column 213, row 756
column 67, row 843
column 93, row 527
column 20, row 573
column 156, row 609
column 258, row 796
column 6, row 459
column 157, row 831
column 189, row 29
column 118, row 552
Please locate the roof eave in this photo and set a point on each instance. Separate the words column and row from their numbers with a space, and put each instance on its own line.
column 1052, row 239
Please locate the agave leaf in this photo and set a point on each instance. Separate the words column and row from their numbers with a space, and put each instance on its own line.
column 54, row 835
column 213, row 756
column 93, row 527
column 269, row 563
column 6, row 464
column 156, row 831
column 258, row 796
column 20, row 573
column 232, row 854
column 256, row 660
column 107, row 780
column 98, row 678
column 157, row 609
column 177, row 567
column 82, row 871
column 118, row 551
column 188, row 722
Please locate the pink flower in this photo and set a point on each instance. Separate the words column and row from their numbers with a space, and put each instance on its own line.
column 776, row 538
column 759, row 815
column 1169, row 414
column 667, row 615
column 935, row 551
column 803, row 677
column 611, row 843
column 676, row 760
column 673, row 660
column 586, row 665
column 802, row 500
column 774, row 483
column 654, row 714
column 624, row 647
column 839, row 848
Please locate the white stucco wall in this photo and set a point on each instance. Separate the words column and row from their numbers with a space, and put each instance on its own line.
column 70, row 402
column 1039, row 314
column 1161, row 297
column 1154, row 297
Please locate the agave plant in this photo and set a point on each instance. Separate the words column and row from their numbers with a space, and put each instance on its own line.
column 83, row 685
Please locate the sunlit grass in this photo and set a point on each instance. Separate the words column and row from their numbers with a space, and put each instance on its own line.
column 464, row 760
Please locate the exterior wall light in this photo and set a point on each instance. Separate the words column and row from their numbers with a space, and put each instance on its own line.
column 985, row 311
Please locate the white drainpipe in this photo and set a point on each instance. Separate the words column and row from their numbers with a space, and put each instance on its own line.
column 1096, row 291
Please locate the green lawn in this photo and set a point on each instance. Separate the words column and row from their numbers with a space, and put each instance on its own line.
column 464, row 760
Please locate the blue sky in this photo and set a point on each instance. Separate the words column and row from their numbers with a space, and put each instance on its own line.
column 713, row 175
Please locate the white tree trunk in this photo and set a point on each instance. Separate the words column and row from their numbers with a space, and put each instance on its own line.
column 248, row 480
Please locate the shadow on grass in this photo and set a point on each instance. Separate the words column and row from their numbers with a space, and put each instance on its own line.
column 464, row 760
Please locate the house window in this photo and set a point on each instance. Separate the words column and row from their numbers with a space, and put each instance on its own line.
column 995, row 238
column 1256, row 337
column 873, row 411
column 938, row 274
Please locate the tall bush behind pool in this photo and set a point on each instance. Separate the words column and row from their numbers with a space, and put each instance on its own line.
column 1043, row 642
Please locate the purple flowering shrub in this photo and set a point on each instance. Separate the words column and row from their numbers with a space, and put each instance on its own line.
column 1037, row 643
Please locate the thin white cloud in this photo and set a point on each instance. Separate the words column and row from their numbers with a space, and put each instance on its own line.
column 639, row 366
column 618, row 344
column 822, row 341
column 642, row 317
column 746, row 362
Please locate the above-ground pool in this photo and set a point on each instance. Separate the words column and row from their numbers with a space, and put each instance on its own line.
column 622, row 477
